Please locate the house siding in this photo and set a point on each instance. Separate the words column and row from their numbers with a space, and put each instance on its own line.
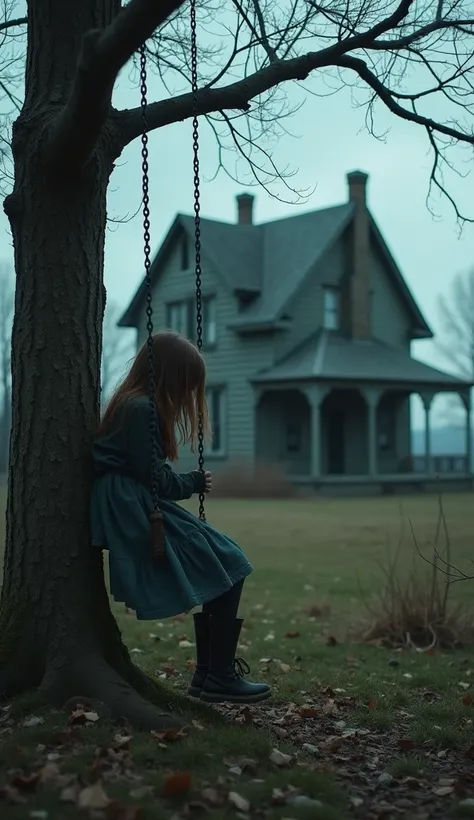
column 230, row 365
column 390, row 318
column 306, row 307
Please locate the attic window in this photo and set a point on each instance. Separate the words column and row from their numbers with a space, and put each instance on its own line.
column 184, row 253
column 331, row 308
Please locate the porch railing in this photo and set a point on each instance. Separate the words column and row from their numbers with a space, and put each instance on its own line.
column 439, row 464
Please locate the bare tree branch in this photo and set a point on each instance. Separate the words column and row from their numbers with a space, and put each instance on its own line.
column 384, row 94
column 104, row 53
column 237, row 96
column 18, row 21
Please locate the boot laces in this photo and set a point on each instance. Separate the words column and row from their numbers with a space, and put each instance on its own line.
column 240, row 667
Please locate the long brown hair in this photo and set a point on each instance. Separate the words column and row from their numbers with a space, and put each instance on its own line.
column 180, row 379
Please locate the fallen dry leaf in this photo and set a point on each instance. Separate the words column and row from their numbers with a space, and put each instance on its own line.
column 169, row 736
column 49, row 772
column 124, row 811
column 33, row 720
column 25, row 782
column 239, row 802
column 212, row 796
column 11, row 795
column 330, row 708
column 443, row 791
column 331, row 641
column 468, row 700
column 176, row 784
column 80, row 716
column 280, row 758
column 93, row 798
column 332, row 743
column 292, row 635
column 308, row 712
column 406, row 743
column 69, row 794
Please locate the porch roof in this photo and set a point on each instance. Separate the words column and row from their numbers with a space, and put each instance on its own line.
column 329, row 356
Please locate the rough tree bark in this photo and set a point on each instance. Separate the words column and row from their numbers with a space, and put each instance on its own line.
column 57, row 629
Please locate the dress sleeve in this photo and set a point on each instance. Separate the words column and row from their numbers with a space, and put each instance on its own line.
column 172, row 486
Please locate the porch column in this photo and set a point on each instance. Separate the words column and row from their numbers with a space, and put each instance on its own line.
column 372, row 397
column 427, row 399
column 315, row 394
column 466, row 400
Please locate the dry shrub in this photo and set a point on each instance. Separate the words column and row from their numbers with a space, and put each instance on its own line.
column 414, row 609
column 241, row 480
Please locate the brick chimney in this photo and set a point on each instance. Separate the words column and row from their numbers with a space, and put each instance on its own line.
column 360, row 296
column 245, row 209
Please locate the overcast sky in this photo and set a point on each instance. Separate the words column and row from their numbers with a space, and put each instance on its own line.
column 329, row 141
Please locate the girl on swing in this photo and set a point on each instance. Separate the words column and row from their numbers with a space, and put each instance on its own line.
column 203, row 566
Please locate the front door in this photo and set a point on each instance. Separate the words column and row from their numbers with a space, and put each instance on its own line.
column 335, row 442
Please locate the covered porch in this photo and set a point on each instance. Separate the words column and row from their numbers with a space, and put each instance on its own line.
column 333, row 435
column 355, row 433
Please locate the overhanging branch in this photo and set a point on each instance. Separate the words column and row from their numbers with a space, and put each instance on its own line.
column 17, row 21
column 383, row 93
column 104, row 52
column 237, row 96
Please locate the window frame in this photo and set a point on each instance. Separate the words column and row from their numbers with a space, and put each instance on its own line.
column 183, row 306
column 210, row 299
column 334, row 310
column 221, row 391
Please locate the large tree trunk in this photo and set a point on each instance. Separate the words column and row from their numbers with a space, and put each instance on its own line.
column 56, row 627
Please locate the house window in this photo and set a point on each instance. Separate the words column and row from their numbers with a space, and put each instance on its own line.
column 216, row 403
column 331, row 307
column 177, row 317
column 209, row 318
column 184, row 253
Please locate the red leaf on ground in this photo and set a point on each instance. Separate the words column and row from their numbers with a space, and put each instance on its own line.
column 247, row 715
column 371, row 705
column 308, row 712
column 25, row 782
column 406, row 743
column 170, row 736
column 169, row 671
column 292, row 635
column 176, row 784
column 122, row 811
column 468, row 700
column 68, row 738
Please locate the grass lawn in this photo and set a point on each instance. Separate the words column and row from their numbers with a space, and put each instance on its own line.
column 353, row 730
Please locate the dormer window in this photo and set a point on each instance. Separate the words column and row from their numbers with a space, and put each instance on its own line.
column 331, row 308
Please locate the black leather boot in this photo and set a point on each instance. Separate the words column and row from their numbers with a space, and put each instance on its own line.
column 225, row 679
column 201, row 632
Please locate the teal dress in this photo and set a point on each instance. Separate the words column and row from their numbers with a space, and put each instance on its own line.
column 201, row 564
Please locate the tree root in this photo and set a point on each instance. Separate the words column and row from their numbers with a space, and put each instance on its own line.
column 93, row 679
column 156, row 692
column 18, row 675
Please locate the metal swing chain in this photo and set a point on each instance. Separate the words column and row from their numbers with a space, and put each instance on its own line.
column 148, row 283
column 197, row 227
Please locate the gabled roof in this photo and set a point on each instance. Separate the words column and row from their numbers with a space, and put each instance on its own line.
column 291, row 247
column 331, row 356
column 271, row 260
column 235, row 250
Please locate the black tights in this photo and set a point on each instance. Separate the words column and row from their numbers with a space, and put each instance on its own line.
column 226, row 605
